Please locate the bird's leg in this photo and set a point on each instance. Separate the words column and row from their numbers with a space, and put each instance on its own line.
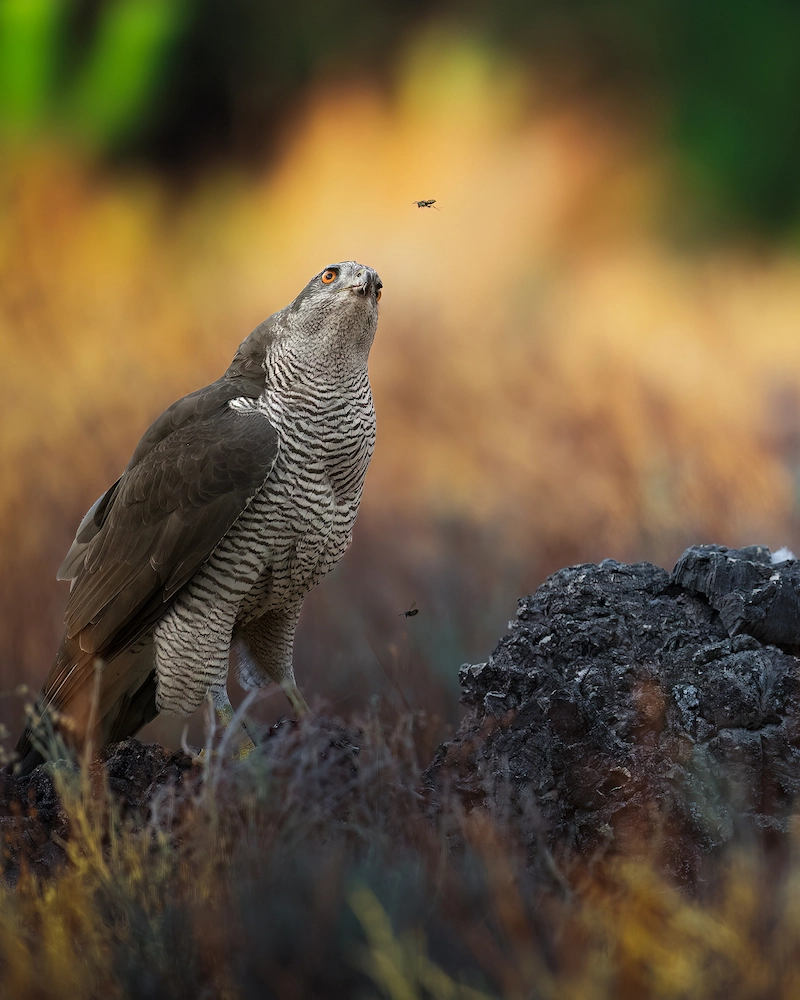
column 264, row 649
column 225, row 714
column 296, row 700
column 244, row 742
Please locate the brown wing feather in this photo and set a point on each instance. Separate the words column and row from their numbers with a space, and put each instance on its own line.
column 173, row 504
column 193, row 473
column 169, row 513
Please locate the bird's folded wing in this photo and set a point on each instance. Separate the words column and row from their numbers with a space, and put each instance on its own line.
column 192, row 475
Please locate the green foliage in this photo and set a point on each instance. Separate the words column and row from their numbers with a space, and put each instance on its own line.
column 29, row 32
column 113, row 87
column 731, row 78
column 101, row 91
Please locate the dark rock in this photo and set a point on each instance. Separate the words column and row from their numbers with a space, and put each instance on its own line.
column 623, row 713
column 752, row 594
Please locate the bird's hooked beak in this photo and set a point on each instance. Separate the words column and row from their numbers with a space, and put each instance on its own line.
column 366, row 282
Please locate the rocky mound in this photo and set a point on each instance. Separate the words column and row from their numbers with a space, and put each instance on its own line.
column 629, row 708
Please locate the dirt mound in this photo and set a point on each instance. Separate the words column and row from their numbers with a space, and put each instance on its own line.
column 168, row 791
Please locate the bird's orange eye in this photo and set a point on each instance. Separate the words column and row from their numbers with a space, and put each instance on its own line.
column 377, row 295
column 328, row 277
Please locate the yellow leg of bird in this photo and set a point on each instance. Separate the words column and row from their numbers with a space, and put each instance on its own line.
column 296, row 700
column 243, row 745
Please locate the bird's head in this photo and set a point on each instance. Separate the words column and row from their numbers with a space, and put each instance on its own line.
column 338, row 308
column 330, row 325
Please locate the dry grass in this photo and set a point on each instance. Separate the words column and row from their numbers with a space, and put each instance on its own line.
column 307, row 872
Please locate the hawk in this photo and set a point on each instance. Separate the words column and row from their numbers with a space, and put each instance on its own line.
column 239, row 498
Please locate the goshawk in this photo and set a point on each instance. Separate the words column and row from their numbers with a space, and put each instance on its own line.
column 238, row 499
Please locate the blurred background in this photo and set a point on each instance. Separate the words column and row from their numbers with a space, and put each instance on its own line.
column 589, row 348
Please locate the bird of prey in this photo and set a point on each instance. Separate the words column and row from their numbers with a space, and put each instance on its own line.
column 238, row 499
column 426, row 203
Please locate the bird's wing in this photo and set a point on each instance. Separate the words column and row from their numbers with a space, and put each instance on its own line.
column 191, row 476
column 87, row 529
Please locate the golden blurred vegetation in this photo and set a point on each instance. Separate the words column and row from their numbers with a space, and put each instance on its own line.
column 554, row 382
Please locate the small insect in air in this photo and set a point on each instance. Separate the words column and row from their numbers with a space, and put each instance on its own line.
column 426, row 203
column 413, row 610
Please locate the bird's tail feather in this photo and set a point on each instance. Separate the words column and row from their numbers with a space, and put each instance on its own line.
column 59, row 723
column 41, row 740
column 100, row 703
